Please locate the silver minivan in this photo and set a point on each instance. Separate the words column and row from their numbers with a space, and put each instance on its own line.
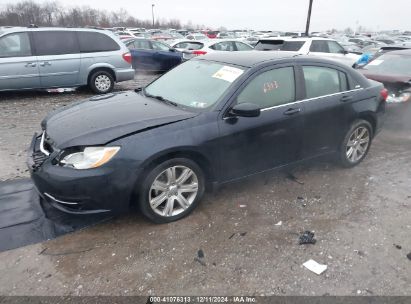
column 41, row 58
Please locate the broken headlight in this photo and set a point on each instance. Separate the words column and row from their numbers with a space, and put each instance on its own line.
column 88, row 158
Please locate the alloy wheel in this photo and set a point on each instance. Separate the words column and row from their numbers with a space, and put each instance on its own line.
column 173, row 191
column 357, row 144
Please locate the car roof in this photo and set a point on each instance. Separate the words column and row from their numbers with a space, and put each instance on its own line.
column 406, row 52
column 296, row 38
column 247, row 58
column 38, row 29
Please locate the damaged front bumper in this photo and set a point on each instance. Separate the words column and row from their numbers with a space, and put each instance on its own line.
column 97, row 190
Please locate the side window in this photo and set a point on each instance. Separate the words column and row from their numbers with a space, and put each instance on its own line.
column 142, row 44
column 320, row 81
column 334, row 47
column 159, row 46
column 55, row 43
column 271, row 88
column 223, row 46
column 242, row 47
column 15, row 45
column 91, row 42
column 320, row 46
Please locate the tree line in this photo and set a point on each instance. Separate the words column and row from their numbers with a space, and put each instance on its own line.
column 52, row 13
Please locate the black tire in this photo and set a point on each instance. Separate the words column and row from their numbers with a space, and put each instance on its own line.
column 343, row 150
column 93, row 85
column 148, row 180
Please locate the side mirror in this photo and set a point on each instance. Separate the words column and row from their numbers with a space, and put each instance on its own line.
column 246, row 110
column 172, row 50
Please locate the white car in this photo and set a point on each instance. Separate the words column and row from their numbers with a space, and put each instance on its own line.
column 316, row 46
column 191, row 48
column 197, row 36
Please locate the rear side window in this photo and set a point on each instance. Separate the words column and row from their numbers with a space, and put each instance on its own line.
column 320, row 81
column 320, row 46
column 91, row 42
column 189, row 45
column 281, row 45
column 55, row 43
column 242, row 46
column 271, row 88
column 15, row 45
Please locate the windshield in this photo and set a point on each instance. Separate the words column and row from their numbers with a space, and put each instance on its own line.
column 391, row 64
column 196, row 84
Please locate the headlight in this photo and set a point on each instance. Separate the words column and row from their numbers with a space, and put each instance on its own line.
column 91, row 157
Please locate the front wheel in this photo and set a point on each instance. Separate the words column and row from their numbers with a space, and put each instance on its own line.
column 356, row 143
column 171, row 190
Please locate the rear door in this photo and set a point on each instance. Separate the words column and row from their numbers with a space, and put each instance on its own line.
column 58, row 57
column 164, row 58
column 327, row 108
column 254, row 144
column 18, row 65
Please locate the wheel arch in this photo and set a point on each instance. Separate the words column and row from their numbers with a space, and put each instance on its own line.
column 371, row 119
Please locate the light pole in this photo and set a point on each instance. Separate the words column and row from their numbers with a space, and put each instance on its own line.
column 152, row 13
column 307, row 26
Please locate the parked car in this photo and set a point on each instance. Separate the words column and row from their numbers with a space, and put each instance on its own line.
column 192, row 49
column 322, row 47
column 393, row 69
column 211, row 34
column 209, row 121
column 42, row 58
column 153, row 56
column 196, row 36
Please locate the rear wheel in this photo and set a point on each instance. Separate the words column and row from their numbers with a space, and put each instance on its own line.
column 356, row 143
column 171, row 190
column 101, row 82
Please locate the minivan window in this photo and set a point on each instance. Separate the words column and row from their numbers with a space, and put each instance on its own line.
column 55, row 43
column 15, row 45
column 271, row 88
column 91, row 42
column 320, row 81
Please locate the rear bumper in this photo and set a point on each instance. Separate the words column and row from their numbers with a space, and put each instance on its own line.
column 124, row 74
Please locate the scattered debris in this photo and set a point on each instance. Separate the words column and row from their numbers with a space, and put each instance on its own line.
column 301, row 200
column 43, row 252
column 315, row 267
column 409, row 256
column 397, row 246
column 60, row 90
column 241, row 234
column 200, row 261
column 359, row 252
column 279, row 223
column 242, row 206
column 200, row 254
column 294, row 178
column 307, row 238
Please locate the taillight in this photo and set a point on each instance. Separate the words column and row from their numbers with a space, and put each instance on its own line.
column 384, row 94
column 127, row 57
column 197, row 52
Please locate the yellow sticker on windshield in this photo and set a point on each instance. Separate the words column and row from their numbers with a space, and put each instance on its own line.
column 228, row 73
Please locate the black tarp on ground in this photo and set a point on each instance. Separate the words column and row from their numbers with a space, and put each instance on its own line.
column 25, row 219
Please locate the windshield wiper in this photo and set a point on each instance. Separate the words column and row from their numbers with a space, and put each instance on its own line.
column 160, row 98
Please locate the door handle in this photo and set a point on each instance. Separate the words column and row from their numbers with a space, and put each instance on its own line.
column 292, row 111
column 346, row 98
column 45, row 63
column 30, row 65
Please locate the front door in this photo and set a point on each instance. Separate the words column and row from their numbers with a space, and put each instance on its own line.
column 59, row 58
column 255, row 144
column 18, row 65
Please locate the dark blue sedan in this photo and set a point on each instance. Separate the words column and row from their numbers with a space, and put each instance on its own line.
column 153, row 56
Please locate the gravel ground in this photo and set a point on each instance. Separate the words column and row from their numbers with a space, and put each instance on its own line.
column 361, row 219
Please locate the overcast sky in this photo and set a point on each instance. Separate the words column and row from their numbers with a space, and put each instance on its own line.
column 267, row 14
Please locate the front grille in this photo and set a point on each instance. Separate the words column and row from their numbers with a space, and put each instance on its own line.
column 38, row 159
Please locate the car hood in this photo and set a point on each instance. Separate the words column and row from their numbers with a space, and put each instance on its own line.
column 104, row 118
